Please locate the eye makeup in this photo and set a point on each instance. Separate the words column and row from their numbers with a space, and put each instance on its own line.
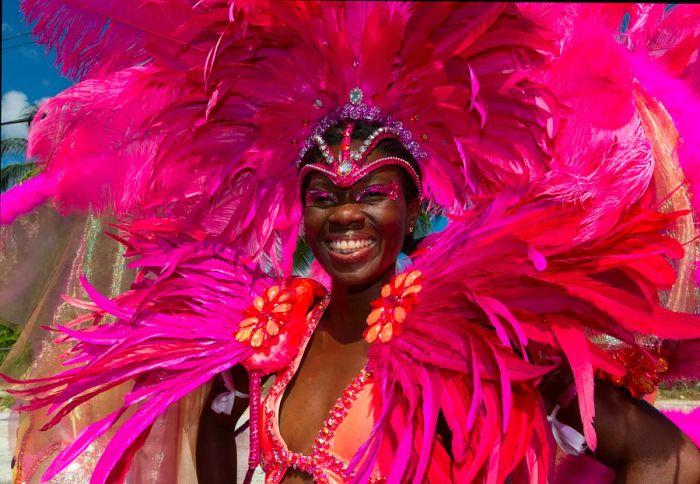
column 319, row 196
column 389, row 190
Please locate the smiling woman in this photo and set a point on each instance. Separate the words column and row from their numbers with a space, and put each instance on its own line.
column 356, row 233
column 482, row 360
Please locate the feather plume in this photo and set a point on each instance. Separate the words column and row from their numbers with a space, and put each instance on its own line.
column 25, row 197
column 94, row 38
column 174, row 331
column 484, row 299
column 187, row 128
column 683, row 360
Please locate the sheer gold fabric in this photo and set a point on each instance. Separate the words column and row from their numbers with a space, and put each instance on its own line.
column 672, row 193
column 41, row 257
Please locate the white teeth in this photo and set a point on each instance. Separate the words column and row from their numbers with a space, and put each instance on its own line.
column 349, row 245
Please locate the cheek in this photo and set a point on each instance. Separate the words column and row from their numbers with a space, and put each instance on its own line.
column 312, row 224
column 392, row 224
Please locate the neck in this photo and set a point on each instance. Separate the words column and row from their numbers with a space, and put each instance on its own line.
column 344, row 319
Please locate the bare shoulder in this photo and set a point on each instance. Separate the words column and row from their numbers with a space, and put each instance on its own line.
column 634, row 439
column 639, row 442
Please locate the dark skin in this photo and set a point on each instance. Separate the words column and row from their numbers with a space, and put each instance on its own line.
column 354, row 213
column 623, row 423
column 634, row 439
column 346, row 214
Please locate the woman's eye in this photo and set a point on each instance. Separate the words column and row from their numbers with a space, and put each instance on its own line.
column 378, row 193
column 318, row 197
column 371, row 195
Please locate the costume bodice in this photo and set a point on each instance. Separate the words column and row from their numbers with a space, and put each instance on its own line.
column 346, row 428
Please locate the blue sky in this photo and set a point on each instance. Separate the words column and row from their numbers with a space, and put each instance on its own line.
column 28, row 73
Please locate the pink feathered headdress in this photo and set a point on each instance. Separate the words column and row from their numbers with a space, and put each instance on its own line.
column 191, row 115
column 225, row 98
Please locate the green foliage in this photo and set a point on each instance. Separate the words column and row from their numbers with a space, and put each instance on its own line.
column 17, row 173
column 686, row 390
column 13, row 146
column 9, row 333
column 6, row 401
column 8, row 337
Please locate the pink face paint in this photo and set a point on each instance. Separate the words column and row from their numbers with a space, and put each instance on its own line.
column 319, row 196
column 388, row 190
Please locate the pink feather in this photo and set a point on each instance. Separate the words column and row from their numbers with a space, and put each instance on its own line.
column 111, row 35
column 25, row 197
column 688, row 422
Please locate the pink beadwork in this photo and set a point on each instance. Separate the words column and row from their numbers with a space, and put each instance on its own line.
column 355, row 175
column 321, row 459
column 255, row 390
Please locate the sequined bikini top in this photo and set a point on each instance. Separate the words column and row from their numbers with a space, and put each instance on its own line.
column 346, row 428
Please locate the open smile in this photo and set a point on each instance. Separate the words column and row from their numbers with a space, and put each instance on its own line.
column 348, row 246
column 350, row 250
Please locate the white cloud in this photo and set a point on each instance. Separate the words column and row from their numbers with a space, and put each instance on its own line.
column 13, row 104
column 30, row 53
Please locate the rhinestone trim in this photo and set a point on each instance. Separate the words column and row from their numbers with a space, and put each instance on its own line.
column 358, row 110
column 321, row 460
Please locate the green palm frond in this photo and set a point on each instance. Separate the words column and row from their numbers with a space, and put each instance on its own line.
column 303, row 257
column 13, row 146
column 17, row 173
column 30, row 112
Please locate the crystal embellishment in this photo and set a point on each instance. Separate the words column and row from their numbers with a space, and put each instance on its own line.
column 321, row 462
column 355, row 109
column 356, row 96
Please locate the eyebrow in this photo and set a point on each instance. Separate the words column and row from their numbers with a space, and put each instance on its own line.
column 318, row 183
column 369, row 180
column 390, row 189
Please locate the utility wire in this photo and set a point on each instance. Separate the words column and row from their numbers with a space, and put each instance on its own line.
column 18, row 45
column 15, row 121
column 15, row 36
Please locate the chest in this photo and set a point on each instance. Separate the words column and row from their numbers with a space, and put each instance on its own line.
column 321, row 381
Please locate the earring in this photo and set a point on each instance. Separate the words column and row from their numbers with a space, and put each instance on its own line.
column 411, row 226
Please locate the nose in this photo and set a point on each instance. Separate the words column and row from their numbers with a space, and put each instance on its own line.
column 347, row 215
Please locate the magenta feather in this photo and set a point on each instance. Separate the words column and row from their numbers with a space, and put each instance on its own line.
column 683, row 359
column 484, row 297
column 171, row 337
column 93, row 38
column 186, row 128
column 688, row 422
column 25, row 197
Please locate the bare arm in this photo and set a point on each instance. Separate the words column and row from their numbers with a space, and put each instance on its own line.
column 216, row 444
column 634, row 439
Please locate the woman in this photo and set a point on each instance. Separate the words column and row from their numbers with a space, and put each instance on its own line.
column 529, row 265
column 373, row 216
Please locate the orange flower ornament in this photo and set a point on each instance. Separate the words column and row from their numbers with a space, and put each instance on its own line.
column 644, row 370
column 389, row 311
column 274, row 324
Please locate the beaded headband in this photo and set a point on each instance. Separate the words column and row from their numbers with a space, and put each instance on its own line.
column 349, row 167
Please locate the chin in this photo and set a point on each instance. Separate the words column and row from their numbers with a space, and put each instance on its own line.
column 354, row 280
